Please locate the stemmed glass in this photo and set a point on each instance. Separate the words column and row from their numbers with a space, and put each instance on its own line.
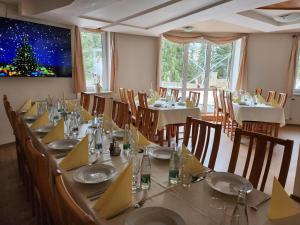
column 136, row 166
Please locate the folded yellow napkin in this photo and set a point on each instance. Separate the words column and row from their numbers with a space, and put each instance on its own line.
column 151, row 101
column 189, row 104
column 32, row 111
column 138, row 137
column 118, row 196
column 70, row 106
column 260, row 99
column 238, row 100
column 193, row 164
column 79, row 156
column 281, row 205
column 26, row 106
column 274, row 103
column 86, row 116
column 41, row 121
column 57, row 133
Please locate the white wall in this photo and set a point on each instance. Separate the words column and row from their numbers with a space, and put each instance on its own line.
column 268, row 59
column 19, row 90
column 137, row 58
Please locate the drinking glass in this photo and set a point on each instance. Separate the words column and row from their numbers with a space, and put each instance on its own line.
column 216, row 211
column 136, row 166
column 186, row 175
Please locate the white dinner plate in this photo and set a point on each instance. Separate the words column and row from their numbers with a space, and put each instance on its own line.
column 94, row 174
column 154, row 216
column 63, row 145
column 30, row 118
column 228, row 183
column 161, row 153
column 43, row 130
column 118, row 133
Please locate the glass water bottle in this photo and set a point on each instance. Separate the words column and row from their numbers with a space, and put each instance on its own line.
column 145, row 172
column 174, row 166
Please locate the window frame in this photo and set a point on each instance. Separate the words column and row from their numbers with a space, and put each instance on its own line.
column 296, row 91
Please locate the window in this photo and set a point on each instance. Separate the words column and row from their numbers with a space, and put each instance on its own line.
column 297, row 76
column 207, row 65
column 94, row 59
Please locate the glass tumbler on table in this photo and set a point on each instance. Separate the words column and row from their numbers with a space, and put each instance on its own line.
column 136, row 165
column 186, row 175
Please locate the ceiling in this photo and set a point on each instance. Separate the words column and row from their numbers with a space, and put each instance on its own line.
column 145, row 17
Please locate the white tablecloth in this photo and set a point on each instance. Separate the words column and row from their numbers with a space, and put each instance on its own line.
column 175, row 114
column 260, row 113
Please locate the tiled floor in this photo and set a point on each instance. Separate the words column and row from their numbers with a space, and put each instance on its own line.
column 14, row 209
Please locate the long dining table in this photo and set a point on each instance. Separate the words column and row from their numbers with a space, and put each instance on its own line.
column 191, row 203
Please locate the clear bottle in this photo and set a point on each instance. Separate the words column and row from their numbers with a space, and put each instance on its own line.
column 126, row 144
column 98, row 139
column 174, row 166
column 145, row 171
column 240, row 215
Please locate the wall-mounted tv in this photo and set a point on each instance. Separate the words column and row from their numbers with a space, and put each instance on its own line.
column 34, row 50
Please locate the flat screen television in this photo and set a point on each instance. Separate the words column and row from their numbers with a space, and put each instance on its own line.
column 34, row 50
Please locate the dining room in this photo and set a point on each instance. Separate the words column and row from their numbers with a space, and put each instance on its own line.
column 164, row 112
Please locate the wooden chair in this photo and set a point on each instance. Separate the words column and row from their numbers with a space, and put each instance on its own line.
column 85, row 100
column 258, row 91
column 271, row 95
column 194, row 97
column 217, row 108
column 163, row 92
column 224, row 110
column 143, row 99
column 48, row 207
column 282, row 99
column 263, row 147
column 131, row 101
column 232, row 124
column 199, row 132
column 120, row 114
column 146, row 122
column 122, row 93
column 175, row 93
column 98, row 105
column 71, row 213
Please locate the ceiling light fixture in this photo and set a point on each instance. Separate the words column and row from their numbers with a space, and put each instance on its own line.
column 188, row 28
column 288, row 18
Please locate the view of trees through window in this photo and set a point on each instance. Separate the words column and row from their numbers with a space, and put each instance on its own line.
column 92, row 56
column 297, row 78
column 207, row 65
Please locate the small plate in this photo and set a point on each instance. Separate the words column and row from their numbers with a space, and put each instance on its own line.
column 118, row 133
column 161, row 153
column 43, row 130
column 154, row 215
column 30, row 118
column 63, row 145
column 228, row 183
column 94, row 174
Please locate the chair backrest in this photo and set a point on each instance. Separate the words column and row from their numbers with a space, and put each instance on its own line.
column 120, row 113
column 163, row 92
column 258, row 91
column 122, row 93
column 7, row 108
column 98, row 105
column 143, row 99
column 85, row 100
column 271, row 95
column 228, row 97
column 146, row 122
column 200, row 131
column 216, row 100
column 194, row 97
column 175, row 93
column 282, row 99
column 131, row 101
column 223, row 102
column 43, row 182
column 70, row 211
column 263, row 147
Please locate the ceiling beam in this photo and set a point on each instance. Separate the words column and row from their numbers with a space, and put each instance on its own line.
column 287, row 5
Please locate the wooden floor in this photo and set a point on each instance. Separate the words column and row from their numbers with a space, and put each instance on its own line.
column 15, row 210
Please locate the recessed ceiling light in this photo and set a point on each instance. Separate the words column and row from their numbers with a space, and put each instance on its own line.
column 188, row 28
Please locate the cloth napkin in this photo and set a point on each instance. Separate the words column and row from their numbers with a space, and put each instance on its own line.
column 193, row 164
column 281, row 205
column 26, row 106
column 152, row 100
column 85, row 115
column 260, row 99
column 118, row 196
column 238, row 100
column 274, row 103
column 57, row 133
column 189, row 104
column 41, row 121
column 32, row 111
column 138, row 137
column 70, row 106
column 79, row 156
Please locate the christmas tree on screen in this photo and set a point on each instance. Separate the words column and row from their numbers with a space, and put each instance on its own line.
column 25, row 61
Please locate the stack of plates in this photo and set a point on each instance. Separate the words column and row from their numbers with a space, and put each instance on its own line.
column 161, row 153
column 94, row 174
column 154, row 215
column 63, row 145
column 228, row 183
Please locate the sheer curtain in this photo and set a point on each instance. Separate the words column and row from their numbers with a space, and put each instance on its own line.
column 114, row 63
column 292, row 69
column 216, row 38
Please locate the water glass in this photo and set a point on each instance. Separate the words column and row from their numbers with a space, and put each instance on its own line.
column 186, row 175
column 136, row 166
column 216, row 211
